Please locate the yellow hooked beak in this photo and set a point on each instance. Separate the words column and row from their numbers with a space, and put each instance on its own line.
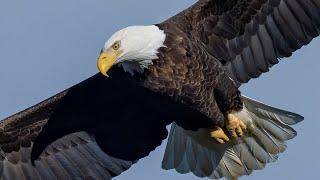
column 106, row 60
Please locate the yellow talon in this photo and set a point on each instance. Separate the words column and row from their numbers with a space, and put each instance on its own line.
column 219, row 135
column 235, row 126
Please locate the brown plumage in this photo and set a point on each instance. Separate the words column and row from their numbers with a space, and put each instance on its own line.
column 210, row 49
column 217, row 39
column 67, row 158
column 188, row 73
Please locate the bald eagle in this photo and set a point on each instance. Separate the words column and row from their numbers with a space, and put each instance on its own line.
column 185, row 71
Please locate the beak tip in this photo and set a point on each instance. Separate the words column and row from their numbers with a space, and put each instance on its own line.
column 104, row 74
column 105, row 62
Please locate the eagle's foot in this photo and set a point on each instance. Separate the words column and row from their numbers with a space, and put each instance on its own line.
column 219, row 135
column 235, row 126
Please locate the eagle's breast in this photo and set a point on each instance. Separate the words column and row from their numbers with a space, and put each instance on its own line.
column 185, row 71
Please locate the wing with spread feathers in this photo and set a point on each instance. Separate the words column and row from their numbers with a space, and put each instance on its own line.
column 74, row 155
column 250, row 36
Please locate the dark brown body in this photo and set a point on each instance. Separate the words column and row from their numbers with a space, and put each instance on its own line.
column 189, row 74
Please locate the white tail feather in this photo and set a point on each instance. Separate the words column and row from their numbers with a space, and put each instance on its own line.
column 195, row 151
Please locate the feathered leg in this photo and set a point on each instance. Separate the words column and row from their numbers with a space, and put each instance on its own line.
column 228, row 98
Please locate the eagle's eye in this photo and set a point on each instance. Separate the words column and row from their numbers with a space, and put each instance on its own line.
column 116, row 45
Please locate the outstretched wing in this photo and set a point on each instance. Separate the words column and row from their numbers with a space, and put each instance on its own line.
column 94, row 130
column 76, row 155
column 250, row 36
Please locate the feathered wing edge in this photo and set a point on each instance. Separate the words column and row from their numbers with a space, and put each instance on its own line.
column 279, row 29
column 250, row 37
column 74, row 156
column 196, row 152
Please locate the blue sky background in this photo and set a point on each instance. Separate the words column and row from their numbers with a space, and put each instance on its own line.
column 47, row 46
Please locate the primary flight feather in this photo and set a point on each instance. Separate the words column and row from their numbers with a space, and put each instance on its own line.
column 186, row 71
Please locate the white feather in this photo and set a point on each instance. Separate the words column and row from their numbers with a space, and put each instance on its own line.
column 140, row 45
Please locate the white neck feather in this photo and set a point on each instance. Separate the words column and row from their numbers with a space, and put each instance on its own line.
column 140, row 45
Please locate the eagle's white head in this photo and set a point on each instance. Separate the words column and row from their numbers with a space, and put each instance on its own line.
column 133, row 48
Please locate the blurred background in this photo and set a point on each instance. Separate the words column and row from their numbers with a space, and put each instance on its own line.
column 47, row 46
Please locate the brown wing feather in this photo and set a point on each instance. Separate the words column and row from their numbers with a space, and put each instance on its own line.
column 249, row 36
column 75, row 155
